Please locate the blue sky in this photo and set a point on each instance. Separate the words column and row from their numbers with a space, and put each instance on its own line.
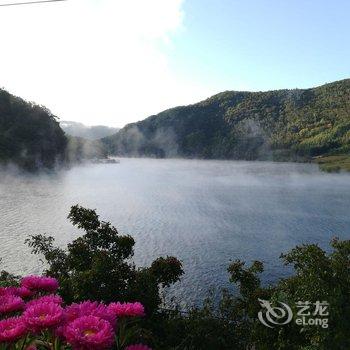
column 264, row 44
column 114, row 62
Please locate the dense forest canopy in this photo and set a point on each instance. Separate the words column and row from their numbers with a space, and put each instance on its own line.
column 279, row 125
column 30, row 135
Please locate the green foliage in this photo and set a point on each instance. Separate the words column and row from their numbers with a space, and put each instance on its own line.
column 7, row 279
column 166, row 270
column 277, row 125
column 97, row 265
column 30, row 136
column 234, row 325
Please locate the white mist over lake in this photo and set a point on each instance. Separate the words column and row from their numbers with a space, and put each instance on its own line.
column 206, row 213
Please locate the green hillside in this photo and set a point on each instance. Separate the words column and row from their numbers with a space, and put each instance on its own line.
column 300, row 124
column 30, row 136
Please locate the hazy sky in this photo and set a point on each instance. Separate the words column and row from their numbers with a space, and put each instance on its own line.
column 117, row 61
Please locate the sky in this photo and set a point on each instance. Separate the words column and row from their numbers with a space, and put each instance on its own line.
column 112, row 62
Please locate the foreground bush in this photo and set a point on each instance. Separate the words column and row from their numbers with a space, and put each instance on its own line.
column 32, row 317
column 319, row 275
column 97, row 267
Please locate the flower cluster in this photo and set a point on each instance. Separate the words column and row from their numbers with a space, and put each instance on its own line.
column 37, row 283
column 127, row 309
column 31, row 315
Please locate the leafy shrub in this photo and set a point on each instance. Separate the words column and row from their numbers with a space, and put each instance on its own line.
column 97, row 266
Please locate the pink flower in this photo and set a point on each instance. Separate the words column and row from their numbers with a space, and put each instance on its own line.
column 56, row 299
column 89, row 308
column 11, row 329
column 138, row 347
column 7, row 290
column 42, row 315
column 90, row 333
column 21, row 292
column 39, row 283
column 127, row 309
column 31, row 347
column 10, row 303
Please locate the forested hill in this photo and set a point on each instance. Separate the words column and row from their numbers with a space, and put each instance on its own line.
column 94, row 132
column 30, row 136
column 279, row 125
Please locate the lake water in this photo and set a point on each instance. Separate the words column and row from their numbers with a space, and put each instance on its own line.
column 206, row 213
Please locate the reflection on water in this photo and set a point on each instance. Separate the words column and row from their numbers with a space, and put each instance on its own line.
column 204, row 212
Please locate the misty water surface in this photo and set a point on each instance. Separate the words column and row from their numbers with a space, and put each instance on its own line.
column 204, row 212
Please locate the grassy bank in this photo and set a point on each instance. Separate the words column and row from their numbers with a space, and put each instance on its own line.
column 335, row 163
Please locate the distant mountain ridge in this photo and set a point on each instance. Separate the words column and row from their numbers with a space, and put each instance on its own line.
column 277, row 125
column 88, row 132
column 299, row 124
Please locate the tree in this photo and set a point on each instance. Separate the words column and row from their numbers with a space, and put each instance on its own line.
column 97, row 265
